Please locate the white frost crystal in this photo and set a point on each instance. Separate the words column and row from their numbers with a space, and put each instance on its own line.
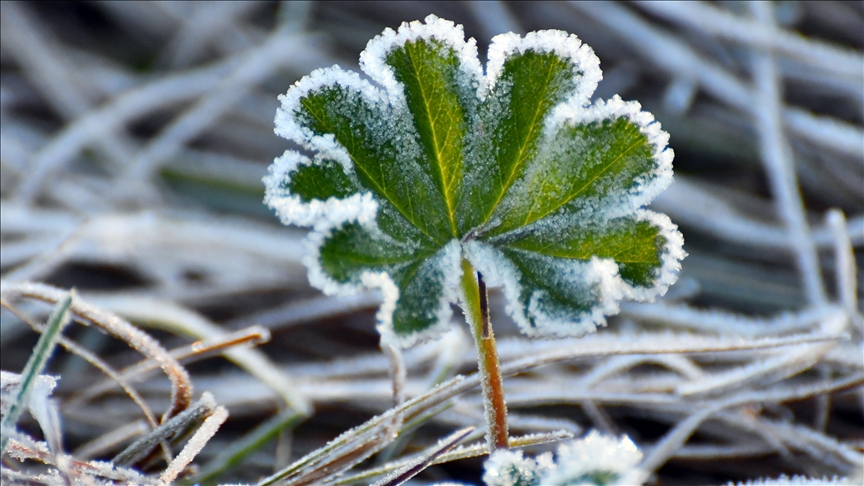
column 581, row 289
column 595, row 456
column 510, row 468
column 596, row 460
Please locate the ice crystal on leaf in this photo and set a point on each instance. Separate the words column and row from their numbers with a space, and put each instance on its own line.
column 513, row 169
column 595, row 460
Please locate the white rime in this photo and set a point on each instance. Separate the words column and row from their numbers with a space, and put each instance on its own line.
column 595, row 281
column 575, row 462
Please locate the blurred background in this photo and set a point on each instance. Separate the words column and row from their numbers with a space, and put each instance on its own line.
column 134, row 137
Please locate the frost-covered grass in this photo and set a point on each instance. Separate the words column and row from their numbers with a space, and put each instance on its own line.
column 134, row 137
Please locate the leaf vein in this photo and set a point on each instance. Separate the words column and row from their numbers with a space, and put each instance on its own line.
column 436, row 146
column 520, row 157
column 321, row 118
column 620, row 157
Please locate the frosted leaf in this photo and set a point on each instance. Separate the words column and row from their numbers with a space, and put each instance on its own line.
column 598, row 460
column 434, row 161
column 343, row 202
column 595, row 460
column 509, row 468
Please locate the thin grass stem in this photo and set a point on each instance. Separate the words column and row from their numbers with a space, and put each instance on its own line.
column 35, row 364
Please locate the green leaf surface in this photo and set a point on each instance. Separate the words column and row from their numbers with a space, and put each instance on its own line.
column 510, row 168
column 381, row 153
column 352, row 250
column 320, row 181
column 556, row 289
column 633, row 245
column 432, row 79
column 513, row 115
column 578, row 163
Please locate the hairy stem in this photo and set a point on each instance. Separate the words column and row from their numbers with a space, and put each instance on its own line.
column 476, row 308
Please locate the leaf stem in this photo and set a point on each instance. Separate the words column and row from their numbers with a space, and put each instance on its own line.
column 476, row 308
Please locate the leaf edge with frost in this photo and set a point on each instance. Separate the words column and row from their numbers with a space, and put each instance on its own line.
column 363, row 207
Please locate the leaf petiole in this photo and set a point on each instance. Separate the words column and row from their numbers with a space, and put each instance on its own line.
column 475, row 305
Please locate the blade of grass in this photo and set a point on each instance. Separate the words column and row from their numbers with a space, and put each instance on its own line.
column 36, row 363
column 356, row 438
column 169, row 316
column 254, row 440
column 203, row 435
column 181, row 385
column 460, row 452
column 141, row 447
column 111, row 440
column 94, row 360
column 419, row 464
column 191, row 353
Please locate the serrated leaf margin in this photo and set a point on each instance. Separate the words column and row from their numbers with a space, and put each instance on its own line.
column 372, row 59
column 450, row 256
column 361, row 207
column 615, row 107
column 498, row 270
column 325, row 216
column 559, row 42
column 327, row 146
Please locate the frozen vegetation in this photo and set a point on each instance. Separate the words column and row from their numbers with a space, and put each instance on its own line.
column 133, row 141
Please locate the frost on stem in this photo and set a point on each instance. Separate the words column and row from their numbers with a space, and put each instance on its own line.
column 513, row 168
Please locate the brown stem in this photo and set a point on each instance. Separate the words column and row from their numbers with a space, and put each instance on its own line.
column 476, row 307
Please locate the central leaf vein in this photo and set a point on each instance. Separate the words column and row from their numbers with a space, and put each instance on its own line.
column 380, row 187
column 530, row 217
column 521, row 156
column 447, row 180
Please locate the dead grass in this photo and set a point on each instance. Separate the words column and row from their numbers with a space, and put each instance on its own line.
column 134, row 137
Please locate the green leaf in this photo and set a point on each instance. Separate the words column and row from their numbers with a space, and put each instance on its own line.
column 530, row 85
column 435, row 95
column 371, row 135
column 632, row 244
column 357, row 255
column 578, row 163
column 320, row 181
column 513, row 169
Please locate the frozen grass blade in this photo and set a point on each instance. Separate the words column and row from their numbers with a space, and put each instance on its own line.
column 425, row 459
column 141, row 447
column 111, row 440
column 373, row 431
column 460, row 452
column 847, row 285
column 777, row 158
column 167, row 315
column 197, row 442
column 717, row 22
column 676, row 437
column 42, row 352
column 97, row 363
column 181, row 385
column 254, row 335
